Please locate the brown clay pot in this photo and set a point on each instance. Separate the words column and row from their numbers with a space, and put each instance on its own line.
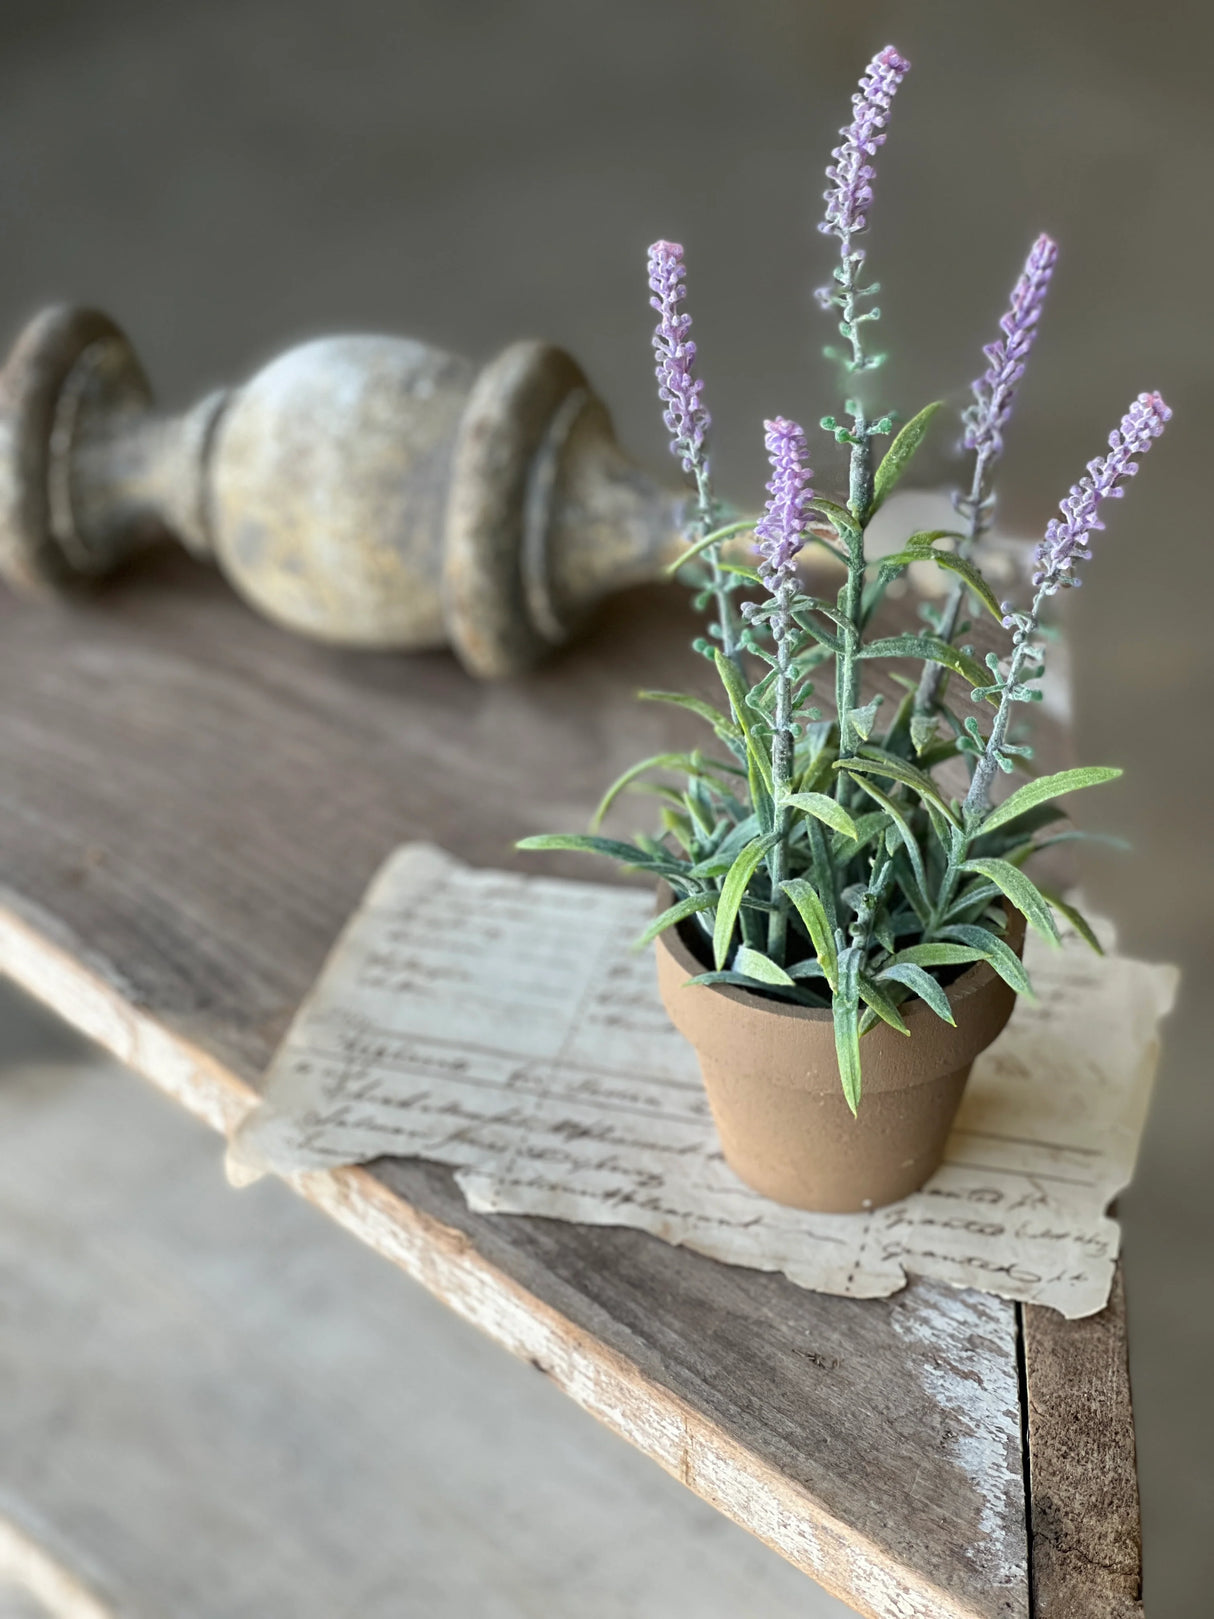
column 773, row 1082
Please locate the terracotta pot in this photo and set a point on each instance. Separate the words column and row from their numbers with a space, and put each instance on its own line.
column 773, row 1082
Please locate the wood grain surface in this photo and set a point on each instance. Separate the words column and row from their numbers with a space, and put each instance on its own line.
column 191, row 804
column 1087, row 1546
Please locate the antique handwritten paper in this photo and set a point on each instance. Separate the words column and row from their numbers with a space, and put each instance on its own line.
column 503, row 1025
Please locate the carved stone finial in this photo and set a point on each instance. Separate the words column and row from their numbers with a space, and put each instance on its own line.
column 368, row 491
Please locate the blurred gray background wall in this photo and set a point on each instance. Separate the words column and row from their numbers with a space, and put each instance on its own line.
column 225, row 179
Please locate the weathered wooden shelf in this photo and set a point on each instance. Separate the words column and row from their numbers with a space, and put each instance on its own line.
column 191, row 804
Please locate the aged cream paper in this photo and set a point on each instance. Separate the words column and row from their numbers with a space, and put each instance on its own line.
column 502, row 1024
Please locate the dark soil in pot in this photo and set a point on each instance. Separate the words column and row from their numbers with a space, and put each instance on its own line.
column 773, row 1082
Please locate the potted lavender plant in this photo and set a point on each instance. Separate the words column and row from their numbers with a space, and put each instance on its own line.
column 827, row 906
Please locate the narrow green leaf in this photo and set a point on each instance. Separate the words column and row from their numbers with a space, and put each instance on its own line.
column 732, row 892
column 718, row 534
column 980, row 893
column 828, row 641
column 818, row 605
column 952, row 563
column 823, row 809
column 657, row 761
column 998, row 952
column 796, row 993
column 813, row 913
column 937, row 954
column 742, row 571
column 756, row 965
column 721, row 723
column 738, row 691
column 734, row 840
column 626, row 853
column 1021, row 890
column 867, row 828
column 811, row 967
column 1077, row 920
column 875, row 997
column 931, row 649
column 1043, row 789
column 863, row 719
column 898, row 770
column 847, row 1028
column 677, row 912
column 924, row 539
column 903, row 828
column 840, row 518
column 899, row 455
column 924, row 986
column 923, row 728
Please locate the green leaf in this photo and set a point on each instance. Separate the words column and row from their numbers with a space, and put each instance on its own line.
column 721, row 723
column 692, row 763
column 756, row 965
column 923, row 728
column 880, row 1002
column 626, row 853
column 715, row 538
column 847, row 1028
column 903, row 829
column 677, row 912
column 1077, row 920
column 978, row 893
column 736, row 687
column 742, row 571
column 823, row 809
column 840, row 518
column 811, row 967
column 931, row 649
column 899, row 770
column 924, row 539
column 813, row 913
column 816, row 604
column 924, row 986
column 732, row 891
column 998, row 952
column 867, row 828
column 937, row 954
column 863, row 719
column 1043, row 789
column 786, row 992
column 1021, row 890
column 952, row 563
column 657, row 761
column 898, row 457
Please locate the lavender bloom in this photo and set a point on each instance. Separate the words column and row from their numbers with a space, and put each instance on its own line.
column 852, row 190
column 995, row 392
column 684, row 415
column 1065, row 539
column 782, row 529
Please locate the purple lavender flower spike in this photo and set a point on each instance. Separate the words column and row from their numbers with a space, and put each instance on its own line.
column 995, row 392
column 782, row 530
column 851, row 191
column 684, row 415
column 1066, row 538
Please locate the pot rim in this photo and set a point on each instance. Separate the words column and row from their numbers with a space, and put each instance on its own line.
column 974, row 979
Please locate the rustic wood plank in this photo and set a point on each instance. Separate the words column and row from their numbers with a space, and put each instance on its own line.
column 1084, row 1517
column 191, row 803
column 306, row 1434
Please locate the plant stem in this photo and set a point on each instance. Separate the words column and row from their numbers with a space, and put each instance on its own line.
column 705, row 522
column 977, row 509
column 978, row 799
column 781, row 776
column 860, row 494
